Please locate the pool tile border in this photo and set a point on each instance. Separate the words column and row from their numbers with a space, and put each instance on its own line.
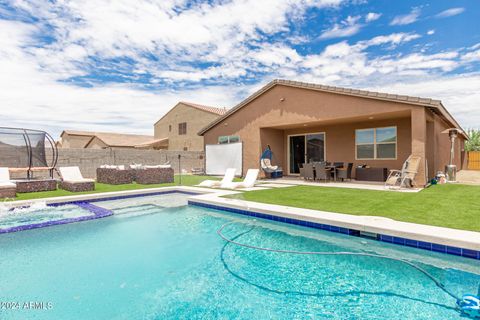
column 126, row 196
column 97, row 211
column 429, row 246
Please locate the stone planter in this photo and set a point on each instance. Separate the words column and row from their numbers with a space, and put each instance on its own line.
column 115, row 176
column 154, row 175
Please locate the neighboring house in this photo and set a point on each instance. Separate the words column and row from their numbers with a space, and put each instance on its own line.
column 101, row 140
column 178, row 128
column 305, row 122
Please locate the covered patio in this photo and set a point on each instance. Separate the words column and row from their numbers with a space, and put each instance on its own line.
column 378, row 141
column 306, row 123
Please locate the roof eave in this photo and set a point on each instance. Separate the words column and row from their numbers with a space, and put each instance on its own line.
column 358, row 93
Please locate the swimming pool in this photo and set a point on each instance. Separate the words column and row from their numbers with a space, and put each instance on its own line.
column 157, row 258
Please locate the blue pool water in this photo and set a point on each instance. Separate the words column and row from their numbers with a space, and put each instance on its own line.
column 153, row 260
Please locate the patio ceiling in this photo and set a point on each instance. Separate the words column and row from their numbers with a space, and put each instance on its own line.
column 325, row 122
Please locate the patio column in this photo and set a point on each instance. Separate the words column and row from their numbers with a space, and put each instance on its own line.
column 419, row 140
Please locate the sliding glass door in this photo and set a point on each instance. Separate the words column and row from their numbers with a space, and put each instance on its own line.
column 305, row 148
column 297, row 153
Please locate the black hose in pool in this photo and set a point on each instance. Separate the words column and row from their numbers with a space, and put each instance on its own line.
column 327, row 253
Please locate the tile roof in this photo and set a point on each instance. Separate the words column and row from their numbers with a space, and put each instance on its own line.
column 426, row 102
column 113, row 139
column 216, row 110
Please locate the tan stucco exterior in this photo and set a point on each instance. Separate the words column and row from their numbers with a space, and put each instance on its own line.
column 195, row 118
column 74, row 141
column 285, row 110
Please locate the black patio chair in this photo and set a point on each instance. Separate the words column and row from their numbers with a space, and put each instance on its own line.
column 345, row 172
column 338, row 164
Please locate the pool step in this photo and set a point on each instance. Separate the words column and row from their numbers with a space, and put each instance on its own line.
column 140, row 210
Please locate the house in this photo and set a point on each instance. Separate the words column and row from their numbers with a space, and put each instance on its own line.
column 101, row 140
column 305, row 122
column 178, row 128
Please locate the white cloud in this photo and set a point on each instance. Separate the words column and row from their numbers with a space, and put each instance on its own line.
column 32, row 97
column 450, row 12
column 391, row 39
column 171, row 30
column 431, row 32
column 372, row 16
column 33, row 77
column 471, row 56
column 460, row 94
column 407, row 18
column 346, row 28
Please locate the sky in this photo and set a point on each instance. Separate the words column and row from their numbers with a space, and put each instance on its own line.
column 120, row 65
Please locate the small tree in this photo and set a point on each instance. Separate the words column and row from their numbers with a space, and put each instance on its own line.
column 473, row 144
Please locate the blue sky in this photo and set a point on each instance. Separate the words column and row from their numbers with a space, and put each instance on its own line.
column 120, row 65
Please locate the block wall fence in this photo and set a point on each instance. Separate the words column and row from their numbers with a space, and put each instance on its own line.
column 90, row 159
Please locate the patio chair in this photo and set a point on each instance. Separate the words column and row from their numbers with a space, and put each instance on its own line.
column 228, row 177
column 345, row 172
column 321, row 172
column 301, row 169
column 308, row 173
column 73, row 181
column 8, row 189
column 404, row 178
column 248, row 182
column 338, row 164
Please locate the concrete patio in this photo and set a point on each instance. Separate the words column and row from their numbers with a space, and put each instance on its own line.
column 353, row 184
column 469, row 177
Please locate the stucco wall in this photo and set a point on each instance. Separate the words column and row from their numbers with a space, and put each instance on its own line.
column 74, row 141
column 340, row 142
column 442, row 146
column 96, row 143
column 300, row 107
column 196, row 120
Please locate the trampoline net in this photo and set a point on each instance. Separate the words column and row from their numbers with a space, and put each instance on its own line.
column 22, row 148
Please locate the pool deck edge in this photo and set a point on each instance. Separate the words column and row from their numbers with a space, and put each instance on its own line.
column 439, row 239
column 432, row 238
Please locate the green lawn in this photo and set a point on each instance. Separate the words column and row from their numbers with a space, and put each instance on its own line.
column 451, row 206
column 187, row 180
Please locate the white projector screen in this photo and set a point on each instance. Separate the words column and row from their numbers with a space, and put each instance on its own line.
column 219, row 157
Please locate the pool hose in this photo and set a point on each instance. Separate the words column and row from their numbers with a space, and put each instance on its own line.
column 461, row 303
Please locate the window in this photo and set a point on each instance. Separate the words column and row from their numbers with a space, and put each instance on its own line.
column 182, row 128
column 376, row 143
column 169, row 128
column 228, row 139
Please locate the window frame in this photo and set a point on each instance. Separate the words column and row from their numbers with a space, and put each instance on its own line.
column 375, row 143
column 228, row 139
column 182, row 128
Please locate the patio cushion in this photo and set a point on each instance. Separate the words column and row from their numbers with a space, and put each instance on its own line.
column 7, row 184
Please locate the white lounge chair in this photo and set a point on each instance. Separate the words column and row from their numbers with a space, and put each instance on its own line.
column 7, row 187
column 248, row 182
column 228, row 177
column 72, row 180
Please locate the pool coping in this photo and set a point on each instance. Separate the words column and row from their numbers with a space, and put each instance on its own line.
column 97, row 213
column 85, row 202
column 439, row 239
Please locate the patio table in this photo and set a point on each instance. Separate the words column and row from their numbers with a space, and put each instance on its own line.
column 333, row 169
